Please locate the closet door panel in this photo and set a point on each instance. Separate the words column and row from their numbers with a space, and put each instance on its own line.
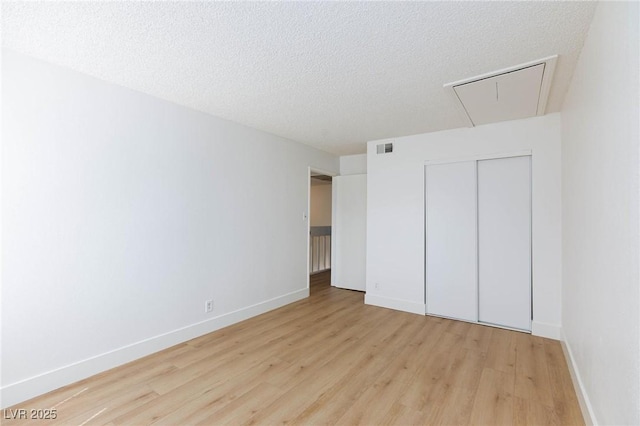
column 504, row 242
column 451, row 235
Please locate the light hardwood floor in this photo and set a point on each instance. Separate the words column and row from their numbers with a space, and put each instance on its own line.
column 330, row 359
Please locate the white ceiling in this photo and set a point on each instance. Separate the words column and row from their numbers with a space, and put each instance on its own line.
column 329, row 74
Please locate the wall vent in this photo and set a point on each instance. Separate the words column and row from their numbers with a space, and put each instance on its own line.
column 384, row 148
column 512, row 93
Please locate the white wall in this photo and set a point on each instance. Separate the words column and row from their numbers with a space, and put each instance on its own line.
column 600, row 193
column 123, row 213
column 395, row 211
column 320, row 210
column 353, row 164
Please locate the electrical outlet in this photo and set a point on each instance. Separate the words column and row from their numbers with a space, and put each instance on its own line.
column 208, row 306
column 377, row 286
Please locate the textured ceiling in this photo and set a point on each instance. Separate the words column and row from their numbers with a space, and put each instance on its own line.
column 329, row 74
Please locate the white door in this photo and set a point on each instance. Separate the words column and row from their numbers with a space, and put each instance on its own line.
column 451, row 232
column 350, row 232
column 504, row 242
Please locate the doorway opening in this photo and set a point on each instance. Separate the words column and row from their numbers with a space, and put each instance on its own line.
column 320, row 226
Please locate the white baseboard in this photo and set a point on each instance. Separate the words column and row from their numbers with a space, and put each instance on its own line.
column 21, row 391
column 397, row 304
column 581, row 393
column 550, row 331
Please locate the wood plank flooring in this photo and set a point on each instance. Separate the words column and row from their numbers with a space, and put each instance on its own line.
column 330, row 359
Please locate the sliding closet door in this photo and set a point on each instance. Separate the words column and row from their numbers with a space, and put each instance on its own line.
column 451, row 240
column 504, row 242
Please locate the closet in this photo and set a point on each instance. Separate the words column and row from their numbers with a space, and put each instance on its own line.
column 478, row 240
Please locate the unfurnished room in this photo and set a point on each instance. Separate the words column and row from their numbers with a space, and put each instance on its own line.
column 323, row 212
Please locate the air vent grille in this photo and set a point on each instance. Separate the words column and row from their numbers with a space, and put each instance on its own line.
column 384, row 148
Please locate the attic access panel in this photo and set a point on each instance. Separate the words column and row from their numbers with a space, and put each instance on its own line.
column 512, row 93
column 504, row 97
